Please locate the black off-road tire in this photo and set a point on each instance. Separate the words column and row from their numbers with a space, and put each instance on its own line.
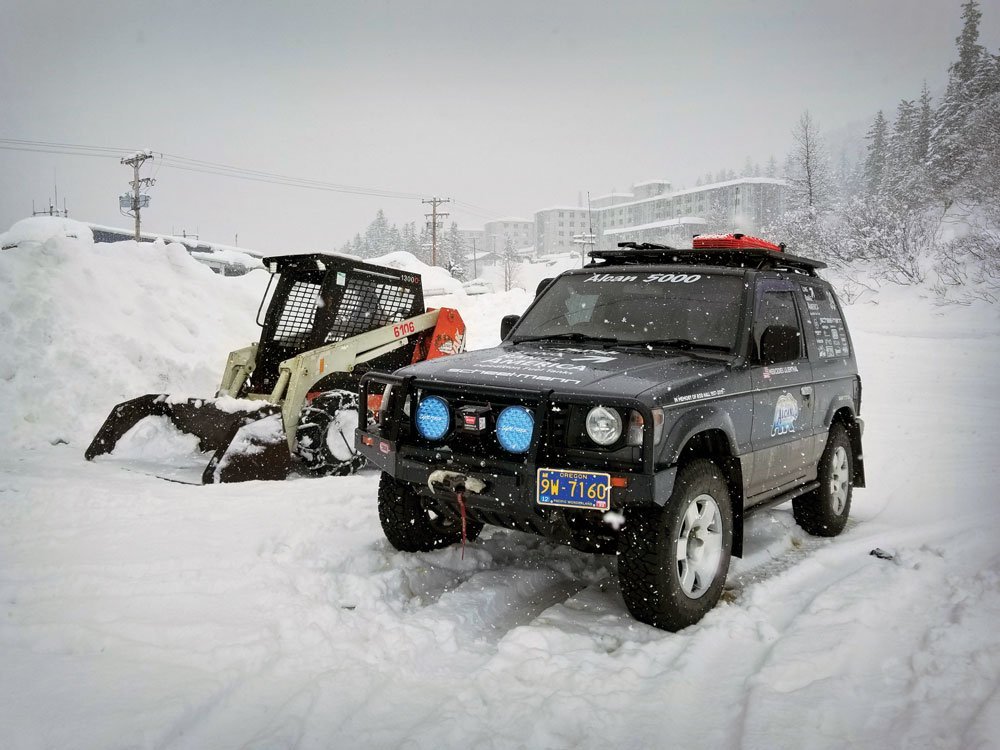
column 410, row 526
column 321, row 423
column 653, row 581
column 824, row 511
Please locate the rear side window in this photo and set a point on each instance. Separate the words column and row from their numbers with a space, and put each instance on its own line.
column 775, row 308
column 827, row 324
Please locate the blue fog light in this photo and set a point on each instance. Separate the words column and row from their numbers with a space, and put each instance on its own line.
column 433, row 418
column 515, row 426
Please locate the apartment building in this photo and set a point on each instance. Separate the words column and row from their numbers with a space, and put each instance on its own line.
column 556, row 226
column 520, row 231
column 653, row 212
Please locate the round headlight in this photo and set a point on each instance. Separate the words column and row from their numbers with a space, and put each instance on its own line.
column 433, row 418
column 604, row 426
column 515, row 426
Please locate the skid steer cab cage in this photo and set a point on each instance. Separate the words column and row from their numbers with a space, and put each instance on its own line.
column 328, row 321
column 316, row 300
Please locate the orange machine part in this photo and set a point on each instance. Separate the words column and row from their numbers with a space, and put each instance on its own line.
column 446, row 338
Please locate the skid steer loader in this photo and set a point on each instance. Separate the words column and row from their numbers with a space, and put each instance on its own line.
column 291, row 400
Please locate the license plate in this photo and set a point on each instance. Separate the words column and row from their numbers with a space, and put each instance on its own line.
column 574, row 489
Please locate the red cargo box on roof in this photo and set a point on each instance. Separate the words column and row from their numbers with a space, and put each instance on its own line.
column 733, row 242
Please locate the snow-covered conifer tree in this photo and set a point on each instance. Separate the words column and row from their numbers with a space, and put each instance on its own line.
column 949, row 146
column 901, row 150
column 875, row 160
column 377, row 236
column 358, row 247
column 409, row 242
column 454, row 252
column 924, row 123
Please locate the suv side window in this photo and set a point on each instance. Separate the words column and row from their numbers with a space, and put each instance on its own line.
column 826, row 323
column 775, row 309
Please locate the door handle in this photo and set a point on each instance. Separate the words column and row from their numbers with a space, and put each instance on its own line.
column 806, row 392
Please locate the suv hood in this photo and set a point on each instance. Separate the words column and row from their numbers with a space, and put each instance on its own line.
column 568, row 369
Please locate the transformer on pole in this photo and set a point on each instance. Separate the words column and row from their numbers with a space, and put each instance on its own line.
column 135, row 201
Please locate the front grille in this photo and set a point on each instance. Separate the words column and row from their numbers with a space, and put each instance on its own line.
column 558, row 440
column 483, row 444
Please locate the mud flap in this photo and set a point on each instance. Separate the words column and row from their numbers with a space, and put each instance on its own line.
column 246, row 443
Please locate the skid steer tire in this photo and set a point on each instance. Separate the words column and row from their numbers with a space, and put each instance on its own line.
column 325, row 435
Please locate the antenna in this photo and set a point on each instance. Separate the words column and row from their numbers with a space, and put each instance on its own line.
column 590, row 215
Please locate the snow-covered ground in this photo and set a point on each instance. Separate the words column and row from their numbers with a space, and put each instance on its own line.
column 138, row 613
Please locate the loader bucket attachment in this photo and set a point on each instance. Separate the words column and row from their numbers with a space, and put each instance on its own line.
column 245, row 443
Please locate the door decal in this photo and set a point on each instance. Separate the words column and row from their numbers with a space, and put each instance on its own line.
column 786, row 411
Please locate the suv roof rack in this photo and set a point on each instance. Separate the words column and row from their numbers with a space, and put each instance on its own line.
column 638, row 253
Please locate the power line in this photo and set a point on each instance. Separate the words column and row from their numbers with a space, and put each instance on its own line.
column 60, row 151
column 472, row 208
column 115, row 152
column 187, row 164
column 288, row 181
column 175, row 161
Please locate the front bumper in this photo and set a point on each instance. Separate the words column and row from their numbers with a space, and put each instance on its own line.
column 510, row 493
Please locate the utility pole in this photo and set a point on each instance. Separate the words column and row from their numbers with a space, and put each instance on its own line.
column 475, row 273
column 136, row 200
column 433, row 216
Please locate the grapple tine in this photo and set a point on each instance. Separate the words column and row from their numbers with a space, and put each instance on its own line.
column 246, row 444
column 123, row 418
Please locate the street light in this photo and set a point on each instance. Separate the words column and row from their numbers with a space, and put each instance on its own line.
column 583, row 240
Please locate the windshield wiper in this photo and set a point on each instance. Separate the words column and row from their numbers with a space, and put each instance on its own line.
column 567, row 336
column 685, row 344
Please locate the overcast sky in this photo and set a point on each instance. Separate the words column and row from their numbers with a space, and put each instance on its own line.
column 508, row 106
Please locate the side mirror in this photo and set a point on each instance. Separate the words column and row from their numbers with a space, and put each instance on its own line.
column 507, row 323
column 542, row 285
column 779, row 344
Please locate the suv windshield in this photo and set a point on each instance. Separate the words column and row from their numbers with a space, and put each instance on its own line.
column 667, row 308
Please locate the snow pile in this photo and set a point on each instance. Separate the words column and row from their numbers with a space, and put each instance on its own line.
column 84, row 326
column 38, row 230
column 155, row 439
column 228, row 257
column 481, row 312
column 436, row 280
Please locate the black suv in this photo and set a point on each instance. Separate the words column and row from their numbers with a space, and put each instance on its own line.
column 645, row 404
